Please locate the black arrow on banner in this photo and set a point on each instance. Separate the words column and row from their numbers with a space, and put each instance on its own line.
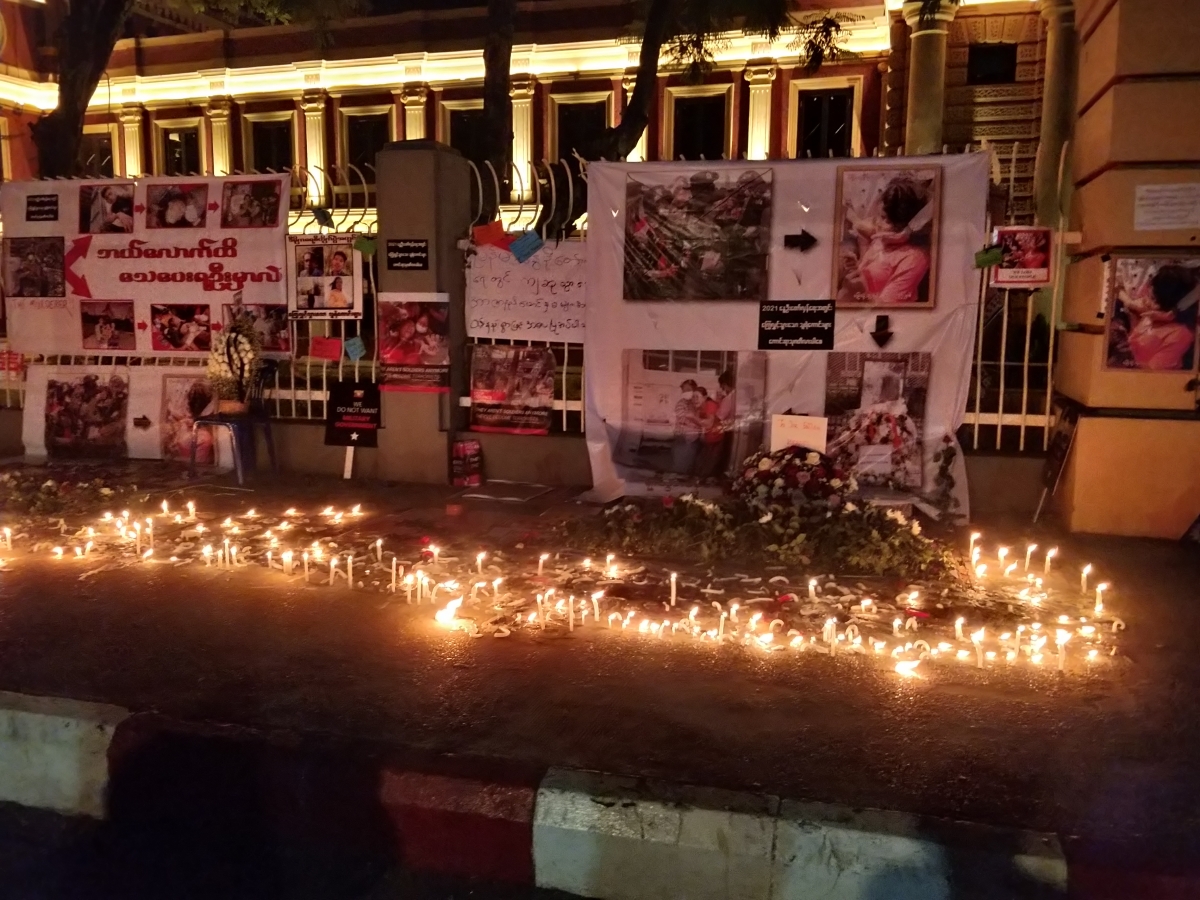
column 142, row 422
column 882, row 334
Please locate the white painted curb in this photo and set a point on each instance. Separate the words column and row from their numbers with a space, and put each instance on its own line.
column 54, row 752
column 614, row 838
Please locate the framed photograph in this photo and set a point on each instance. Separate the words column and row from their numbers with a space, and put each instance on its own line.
column 33, row 267
column 1152, row 305
column 186, row 398
column 107, row 325
column 254, row 203
column 181, row 326
column 177, row 205
column 886, row 236
column 106, row 208
column 1026, row 256
column 697, row 236
column 86, row 417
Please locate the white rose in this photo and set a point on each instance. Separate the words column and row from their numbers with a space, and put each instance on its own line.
column 813, row 459
column 835, row 482
column 764, row 464
column 849, row 508
column 763, row 520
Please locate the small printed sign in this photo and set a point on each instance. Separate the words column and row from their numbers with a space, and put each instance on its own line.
column 41, row 208
column 799, row 431
column 795, row 325
column 352, row 414
column 408, row 255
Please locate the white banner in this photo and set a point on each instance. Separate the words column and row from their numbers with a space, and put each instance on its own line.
column 541, row 299
column 677, row 389
column 152, row 266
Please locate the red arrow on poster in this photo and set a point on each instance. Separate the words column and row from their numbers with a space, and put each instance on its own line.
column 77, row 251
column 142, row 326
column 140, row 208
column 214, row 206
column 216, row 326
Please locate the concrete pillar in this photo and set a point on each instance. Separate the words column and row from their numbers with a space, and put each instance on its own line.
column 521, row 91
column 638, row 153
column 312, row 104
column 424, row 193
column 130, row 118
column 413, row 97
column 758, row 137
column 1058, row 105
column 926, row 103
column 219, row 112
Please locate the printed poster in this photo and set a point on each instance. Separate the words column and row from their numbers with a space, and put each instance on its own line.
column 414, row 342
column 1025, row 256
column 142, row 266
column 1153, row 303
column 325, row 277
column 512, row 389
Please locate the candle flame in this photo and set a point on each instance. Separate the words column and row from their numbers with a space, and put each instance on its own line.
column 356, row 509
column 148, row 553
column 447, row 615
column 58, row 552
column 908, row 668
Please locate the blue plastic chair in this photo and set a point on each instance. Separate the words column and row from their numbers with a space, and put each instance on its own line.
column 241, row 426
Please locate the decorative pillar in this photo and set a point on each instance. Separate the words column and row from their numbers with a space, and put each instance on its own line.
column 130, row 118
column 219, row 113
column 926, row 104
column 413, row 98
column 1058, row 105
column 521, row 91
column 758, row 137
column 312, row 104
column 638, row 153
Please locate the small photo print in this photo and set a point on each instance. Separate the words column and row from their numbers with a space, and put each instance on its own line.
column 332, row 260
column 176, row 205
column 887, row 229
column 691, row 414
column 251, row 204
column 875, row 404
column 270, row 321
column 33, row 267
column 107, row 324
column 310, row 293
column 86, row 416
column 185, row 399
column 106, row 208
column 181, row 326
column 1152, row 314
column 703, row 236
column 1025, row 257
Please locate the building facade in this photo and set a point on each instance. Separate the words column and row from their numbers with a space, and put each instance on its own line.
column 218, row 101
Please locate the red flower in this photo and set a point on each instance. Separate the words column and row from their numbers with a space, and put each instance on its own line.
column 668, row 501
column 425, row 541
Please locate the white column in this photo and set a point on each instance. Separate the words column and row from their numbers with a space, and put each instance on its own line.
column 521, row 90
column 758, row 138
column 413, row 97
column 313, row 106
column 131, row 130
column 219, row 109
column 638, row 153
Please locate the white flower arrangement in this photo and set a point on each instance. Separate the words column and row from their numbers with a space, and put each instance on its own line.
column 234, row 358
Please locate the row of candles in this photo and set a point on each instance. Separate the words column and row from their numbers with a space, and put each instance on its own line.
column 1002, row 554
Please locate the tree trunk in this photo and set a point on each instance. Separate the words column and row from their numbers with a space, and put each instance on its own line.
column 497, row 103
column 85, row 41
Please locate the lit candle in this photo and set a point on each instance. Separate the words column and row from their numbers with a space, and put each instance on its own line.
column 408, row 586
column 1083, row 578
column 571, row 613
column 587, row 563
column 1100, row 589
column 435, row 551
column 191, row 508
column 896, row 624
column 975, row 554
column 812, row 589
column 1009, row 569
column 1001, row 554
column 287, row 562
column 721, row 626
column 958, row 626
column 611, row 616
column 975, row 535
column 479, row 562
column 207, row 553
column 1061, row 638
column 608, row 560
column 304, row 556
column 673, row 578
column 1029, row 554
column 165, row 508
column 87, row 548
column 393, row 574
column 269, row 564
column 225, row 557
column 332, row 569
column 8, row 538
column 137, row 532
column 146, row 556
column 58, row 552
column 1050, row 554
column 977, row 640
column 233, row 552
column 980, row 570
column 251, row 513
column 350, row 570
column 379, row 550
column 596, row 604
column 542, row 561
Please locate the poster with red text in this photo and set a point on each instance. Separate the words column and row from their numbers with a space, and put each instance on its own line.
column 414, row 342
column 147, row 266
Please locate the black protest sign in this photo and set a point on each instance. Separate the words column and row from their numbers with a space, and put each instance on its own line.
column 41, row 208
column 795, row 325
column 352, row 416
column 408, row 255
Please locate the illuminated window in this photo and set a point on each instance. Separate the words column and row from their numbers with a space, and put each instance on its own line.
column 181, row 151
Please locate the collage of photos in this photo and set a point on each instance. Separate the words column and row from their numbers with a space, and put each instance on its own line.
column 700, row 237
column 270, row 322
column 106, row 208
column 1152, row 314
column 512, row 389
column 181, row 326
column 325, row 281
column 107, row 324
column 251, row 204
column 875, row 404
column 185, row 398
column 887, row 237
column 33, row 267
column 693, row 414
column 177, row 205
column 86, row 417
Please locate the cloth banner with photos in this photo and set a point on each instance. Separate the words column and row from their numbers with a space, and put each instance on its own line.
column 146, row 266
column 512, row 389
column 680, row 256
column 107, row 412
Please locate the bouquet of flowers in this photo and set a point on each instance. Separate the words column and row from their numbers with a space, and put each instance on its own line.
column 235, row 358
column 881, row 426
column 793, row 477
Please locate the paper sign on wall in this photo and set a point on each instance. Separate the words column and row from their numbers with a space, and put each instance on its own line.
column 799, row 431
column 1166, row 207
column 538, row 300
